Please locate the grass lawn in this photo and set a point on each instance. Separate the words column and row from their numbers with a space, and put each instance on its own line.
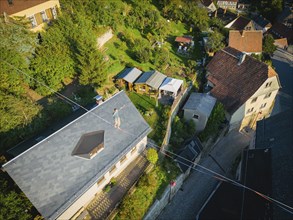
column 156, row 117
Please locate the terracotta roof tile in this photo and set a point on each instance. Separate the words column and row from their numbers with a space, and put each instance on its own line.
column 234, row 83
column 18, row 5
column 246, row 41
column 183, row 39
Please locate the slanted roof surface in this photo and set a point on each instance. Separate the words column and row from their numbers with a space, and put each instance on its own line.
column 201, row 102
column 235, row 84
column 171, row 84
column 18, row 5
column 184, row 39
column 261, row 21
column 53, row 179
column 144, row 77
column 130, row 74
column 240, row 23
column 276, row 132
column 156, row 79
column 246, row 41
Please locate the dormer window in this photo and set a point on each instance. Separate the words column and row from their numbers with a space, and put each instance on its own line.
column 89, row 145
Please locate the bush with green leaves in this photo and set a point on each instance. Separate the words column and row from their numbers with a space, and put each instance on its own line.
column 152, row 155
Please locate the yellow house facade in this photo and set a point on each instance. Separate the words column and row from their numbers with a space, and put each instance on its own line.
column 38, row 12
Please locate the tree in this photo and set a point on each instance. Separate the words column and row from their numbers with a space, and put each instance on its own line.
column 215, row 41
column 268, row 45
column 152, row 156
column 142, row 50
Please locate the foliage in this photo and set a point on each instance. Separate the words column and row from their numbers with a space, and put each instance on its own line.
column 181, row 130
column 215, row 41
column 152, row 156
column 268, row 44
column 135, row 205
column 13, row 205
column 216, row 118
column 268, row 8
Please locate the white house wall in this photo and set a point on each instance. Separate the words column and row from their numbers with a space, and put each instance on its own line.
column 86, row 198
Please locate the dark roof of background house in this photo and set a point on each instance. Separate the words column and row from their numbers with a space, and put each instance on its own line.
column 235, row 84
column 224, row 15
column 240, row 23
column 207, row 3
column 186, row 157
column 281, row 31
column 201, row 102
column 246, row 41
column 52, row 178
column 261, row 21
column 228, row 200
column 130, row 74
column 18, row 5
column 276, row 132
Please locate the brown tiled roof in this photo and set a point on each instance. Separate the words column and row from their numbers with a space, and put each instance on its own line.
column 234, row 84
column 240, row 23
column 18, row 5
column 282, row 42
column 246, row 41
column 183, row 39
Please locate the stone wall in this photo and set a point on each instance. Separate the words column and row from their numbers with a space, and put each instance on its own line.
column 166, row 197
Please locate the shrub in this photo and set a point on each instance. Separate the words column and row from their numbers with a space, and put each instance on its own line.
column 152, row 156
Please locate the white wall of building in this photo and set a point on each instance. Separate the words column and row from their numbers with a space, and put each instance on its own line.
column 86, row 198
column 200, row 123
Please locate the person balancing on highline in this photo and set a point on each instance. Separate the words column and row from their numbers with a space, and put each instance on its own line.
column 116, row 117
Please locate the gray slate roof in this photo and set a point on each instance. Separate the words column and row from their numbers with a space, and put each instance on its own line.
column 276, row 132
column 201, row 102
column 151, row 78
column 52, row 179
column 129, row 74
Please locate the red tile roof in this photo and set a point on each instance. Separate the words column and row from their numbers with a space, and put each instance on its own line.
column 18, row 5
column 246, row 41
column 234, row 84
column 183, row 39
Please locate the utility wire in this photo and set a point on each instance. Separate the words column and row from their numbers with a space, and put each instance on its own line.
column 216, row 175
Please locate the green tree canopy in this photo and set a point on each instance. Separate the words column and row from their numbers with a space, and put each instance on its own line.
column 152, row 156
column 268, row 44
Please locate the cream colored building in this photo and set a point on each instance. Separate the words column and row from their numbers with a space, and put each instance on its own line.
column 245, row 86
column 38, row 12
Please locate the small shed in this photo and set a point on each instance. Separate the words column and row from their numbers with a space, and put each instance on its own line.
column 198, row 108
column 171, row 87
column 127, row 77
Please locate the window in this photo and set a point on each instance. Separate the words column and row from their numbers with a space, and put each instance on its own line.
column 123, row 159
column 254, row 100
column 44, row 16
column 113, row 169
column 54, row 12
column 101, row 180
column 33, row 21
column 195, row 116
column 268, row 84
column 142, row 88
column 267, row 95
column 250, row 110
column 133, row 150
column 263, row 105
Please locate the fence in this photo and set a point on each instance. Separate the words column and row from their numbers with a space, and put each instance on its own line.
column 174, row 110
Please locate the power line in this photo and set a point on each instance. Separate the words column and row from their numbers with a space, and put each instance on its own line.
column 216, row 175
column 228, row 180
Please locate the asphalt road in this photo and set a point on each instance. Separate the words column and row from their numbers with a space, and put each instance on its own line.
column 283, row 63
column 196, row 189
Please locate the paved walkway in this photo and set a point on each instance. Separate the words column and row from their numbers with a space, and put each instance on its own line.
column 104, row 203
column 196, row 189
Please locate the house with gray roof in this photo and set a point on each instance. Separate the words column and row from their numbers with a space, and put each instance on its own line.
column 198, row 108
column 61, row 174
column 149, row 83
column 127, row 78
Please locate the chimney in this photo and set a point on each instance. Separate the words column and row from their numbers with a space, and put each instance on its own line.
column 241, row 58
